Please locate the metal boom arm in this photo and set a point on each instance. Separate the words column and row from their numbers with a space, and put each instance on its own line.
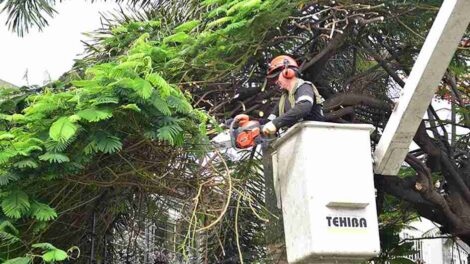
column 434, row 57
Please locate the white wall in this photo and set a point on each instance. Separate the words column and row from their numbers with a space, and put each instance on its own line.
column 434, row 251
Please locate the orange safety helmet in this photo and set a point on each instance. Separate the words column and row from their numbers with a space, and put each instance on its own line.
column 285, row 64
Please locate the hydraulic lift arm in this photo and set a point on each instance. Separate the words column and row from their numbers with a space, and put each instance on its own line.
column 436, row 54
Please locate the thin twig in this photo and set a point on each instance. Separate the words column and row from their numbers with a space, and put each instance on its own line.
column 236, row 230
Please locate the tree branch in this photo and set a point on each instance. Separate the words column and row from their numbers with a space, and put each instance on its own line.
column 450, row 79
column 325, row 53
column 454, row 177
column 346, row 99
column 383, row 63
column 424, row 186
column 334, row 115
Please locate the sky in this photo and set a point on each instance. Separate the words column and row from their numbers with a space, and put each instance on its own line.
column 48, row 54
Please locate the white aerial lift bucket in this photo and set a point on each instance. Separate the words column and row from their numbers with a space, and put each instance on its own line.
column 323, row 179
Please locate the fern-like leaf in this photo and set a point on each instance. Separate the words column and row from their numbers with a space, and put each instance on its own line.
column 57, row 146
column 142, row 87
column 8, row 233
column 221, row 10
column 211, row 2
column 53, row 157
column 244, row 6
column 85, row 83
column 16, row 204
column 160, row 104
column 219, row 22
column 181, row 106
column 104, row 100
column 235, row 26
column 176, row 63
column 8, row 227
column 169, row 133
column 90, row 148
column 160, row 83
column 62, row 129
column 7, row 177
column 42, row 212
column 187, row 26
column 7, row 136
column 158, row 54
column 108, row 144
column 8, row 238
column 27, row 163
column 179, row 37
column 6, row 155
column 126, row 66
column 95, row 115
column 27, row 150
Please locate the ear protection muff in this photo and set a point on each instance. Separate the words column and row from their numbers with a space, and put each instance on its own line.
column 287, row 72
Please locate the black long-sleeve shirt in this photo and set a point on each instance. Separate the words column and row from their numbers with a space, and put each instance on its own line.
column 305, row 108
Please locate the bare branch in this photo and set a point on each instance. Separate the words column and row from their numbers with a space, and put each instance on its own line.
column 383, row 63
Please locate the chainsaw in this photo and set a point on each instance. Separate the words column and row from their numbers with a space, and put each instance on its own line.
column 245, row 133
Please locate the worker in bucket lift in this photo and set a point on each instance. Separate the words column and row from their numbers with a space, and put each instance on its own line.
column 299, row 101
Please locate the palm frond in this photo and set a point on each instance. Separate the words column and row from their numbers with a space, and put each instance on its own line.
column 24, row 15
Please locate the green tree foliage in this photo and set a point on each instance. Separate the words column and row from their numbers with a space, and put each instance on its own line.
column 122, row 101
column 121, row 140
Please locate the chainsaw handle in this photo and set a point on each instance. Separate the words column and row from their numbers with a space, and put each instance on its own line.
column 242, row 119
column 239, row 120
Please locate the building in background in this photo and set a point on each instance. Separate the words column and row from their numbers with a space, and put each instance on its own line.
column 433, row 247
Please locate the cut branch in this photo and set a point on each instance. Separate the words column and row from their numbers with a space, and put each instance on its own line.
column 424, row 186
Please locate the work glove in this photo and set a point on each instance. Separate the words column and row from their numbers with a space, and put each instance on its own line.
column 269, row 129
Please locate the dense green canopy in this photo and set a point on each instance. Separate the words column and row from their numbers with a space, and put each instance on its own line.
column 120, row 143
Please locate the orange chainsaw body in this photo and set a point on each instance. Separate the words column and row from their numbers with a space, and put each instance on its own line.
column 246, row 133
